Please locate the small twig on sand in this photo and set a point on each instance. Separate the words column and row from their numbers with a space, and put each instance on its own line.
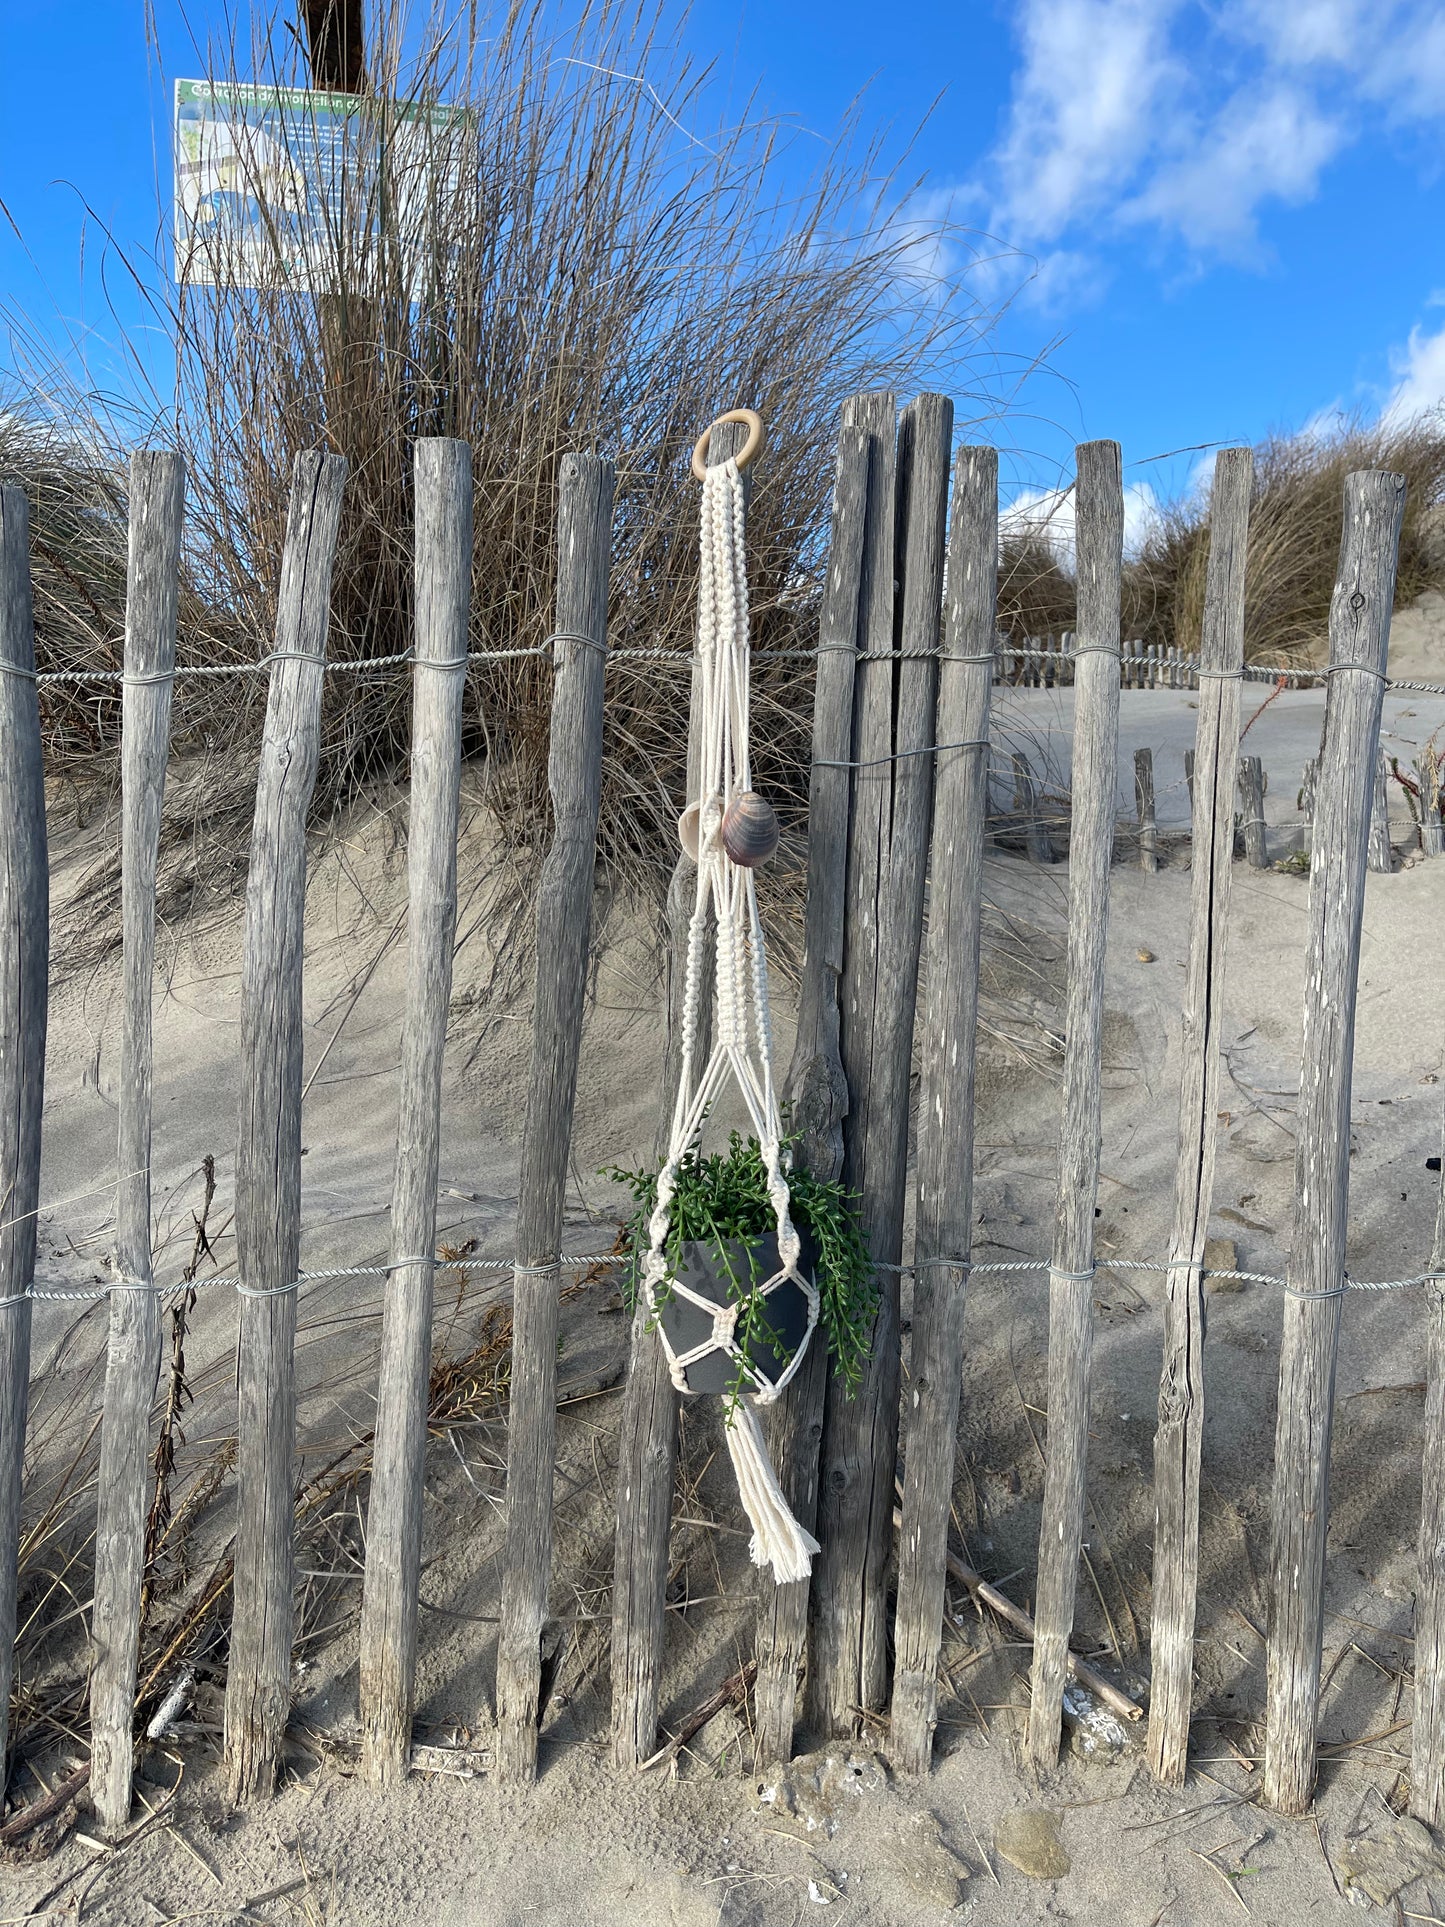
column 53, row 1802
column 733, row 1689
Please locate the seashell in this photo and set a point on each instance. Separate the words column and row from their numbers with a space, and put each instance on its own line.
column 687, row 829
column 750, row 829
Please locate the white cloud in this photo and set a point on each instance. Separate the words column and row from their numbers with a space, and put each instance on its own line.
column 1264, row 144
column 1083, row 109
column 1049, row 514
column 1187, row 120
column 1420, row 387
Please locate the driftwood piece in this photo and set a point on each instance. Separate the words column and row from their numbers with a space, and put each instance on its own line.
column 1251, row 803
column 944, row 1212
column 268, row 1157
column 443, row 577
column 1359, row 641
column 133, row 1360
column 1144, row 807
column 564, row 927
column 1100, row 523
column 1178, row 1440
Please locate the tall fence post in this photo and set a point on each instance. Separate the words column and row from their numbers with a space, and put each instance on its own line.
column 943, row 1220
column 157, row 500
column 442, row 565
column 1178, row 1440
column 1315, row 1274
column 1427, row 1733
column 647, row 1447
column 1099, row 497
column 24, row 976
column 817, row 1091
column 564, row 926
column 887, row 868
column 268, row 1155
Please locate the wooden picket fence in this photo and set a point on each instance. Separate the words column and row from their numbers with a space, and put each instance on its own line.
column 901, row 744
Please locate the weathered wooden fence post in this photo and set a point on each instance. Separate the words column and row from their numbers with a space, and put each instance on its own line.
column 157, row 500
column 1144, row 805
column 1380, row 856
column 1099, row 497
column 268, row 1157
column 647, row 1447
column 944, row 1216
column 817, row 1092
column 887, row 867
column 24, row 976
column 1177, row 1442
column 1427, row 1735
column 564, row 927
column 1359, row 641
column 1251, row 799
column 442, row 565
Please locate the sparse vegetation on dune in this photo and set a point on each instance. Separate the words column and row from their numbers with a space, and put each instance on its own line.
column 598, row 270
column 1294, row 546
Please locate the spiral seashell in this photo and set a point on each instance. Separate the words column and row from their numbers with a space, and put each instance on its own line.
column 750, row 829
column 688, row 830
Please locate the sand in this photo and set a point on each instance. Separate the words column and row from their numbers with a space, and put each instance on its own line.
column 691, row 1843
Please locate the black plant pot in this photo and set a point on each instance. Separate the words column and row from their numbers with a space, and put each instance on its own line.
column 703, row 1271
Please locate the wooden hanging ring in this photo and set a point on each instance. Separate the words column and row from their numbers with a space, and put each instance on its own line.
column 752, row 447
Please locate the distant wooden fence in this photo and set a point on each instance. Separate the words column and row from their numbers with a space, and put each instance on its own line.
column 902, row 733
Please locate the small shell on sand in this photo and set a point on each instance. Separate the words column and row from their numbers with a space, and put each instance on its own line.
column 750, row 829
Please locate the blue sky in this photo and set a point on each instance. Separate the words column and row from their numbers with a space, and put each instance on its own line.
column 1227, row 218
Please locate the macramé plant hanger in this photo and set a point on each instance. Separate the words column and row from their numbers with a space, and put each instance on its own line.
column 729, row 829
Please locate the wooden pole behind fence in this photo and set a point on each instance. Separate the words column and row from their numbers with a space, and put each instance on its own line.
column 887, row 870
column 1380, row 856
column 1427, row 1734
column 1178, row 1440
column 442, row 565
column 1144, row 806
column 1315, row 1275
column 157, row 501
column 647, row 1446
column 1251, row 800
column 564, row 926
column 816, row 1088
column 1100, row 523
column 24, row 969
column 268, row 1157
column 943, row 1219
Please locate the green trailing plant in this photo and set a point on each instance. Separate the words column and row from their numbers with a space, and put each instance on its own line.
column 723, row 1197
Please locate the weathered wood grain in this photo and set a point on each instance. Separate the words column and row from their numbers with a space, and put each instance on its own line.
column 894, row 705
column 647, row 1447
column 1144, row 807
column 944, row 1209
column 564, row 925
column 157, row 499
column 1432, row 824
column 268, row 1156
column 1359, row 641
column 1427, row 1733
column 1099, row 504
column 1037, row 842
column 1379, row 856
column 1178, row 1439
column 1251, row 803
column 442, row 565
column 815, row 1090
column 24, row 970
